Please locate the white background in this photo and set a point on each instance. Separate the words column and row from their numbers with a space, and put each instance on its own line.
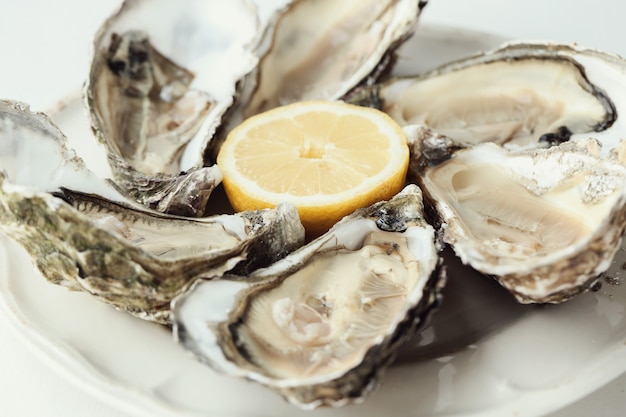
column 44, row 47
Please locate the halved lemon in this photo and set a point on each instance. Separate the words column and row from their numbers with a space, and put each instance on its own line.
column 328, row 158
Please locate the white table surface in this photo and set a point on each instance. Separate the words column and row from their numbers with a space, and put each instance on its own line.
column 44, row 48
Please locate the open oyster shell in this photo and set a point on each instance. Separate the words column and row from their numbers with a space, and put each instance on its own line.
column 162, row 75
column 83, row 234
column 323, row 49
column 544, row 223
column 521, row 96
column 321, row 325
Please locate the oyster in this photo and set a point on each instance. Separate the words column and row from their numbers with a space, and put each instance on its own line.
column 321, row 50
column 521, row 96
column 321, row 325
column 544, row 223
column 162, row 75
column 83, row 234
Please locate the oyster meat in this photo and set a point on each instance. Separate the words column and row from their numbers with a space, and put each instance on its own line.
column 544, row 223
column 83, row 234
column 162, row 76
column 321, row 325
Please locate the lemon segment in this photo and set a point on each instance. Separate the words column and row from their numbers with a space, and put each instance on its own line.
column 328, row 158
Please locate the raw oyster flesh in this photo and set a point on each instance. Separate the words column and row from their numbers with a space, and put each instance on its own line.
column 321, row 50
column 544, row 223
column 321, row 325
column 521, row 96
column 81, row 233
column 162, row 75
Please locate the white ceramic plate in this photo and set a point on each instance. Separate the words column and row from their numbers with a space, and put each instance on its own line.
column 484, row 355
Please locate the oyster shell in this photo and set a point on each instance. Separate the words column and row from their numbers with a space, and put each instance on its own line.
column 321, row 325
column 162, row 75
column 83, row 234
column 544, row 223
column 521, row 96
column 321, row 50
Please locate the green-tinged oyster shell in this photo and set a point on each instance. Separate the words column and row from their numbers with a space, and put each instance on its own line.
column 83, row 234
